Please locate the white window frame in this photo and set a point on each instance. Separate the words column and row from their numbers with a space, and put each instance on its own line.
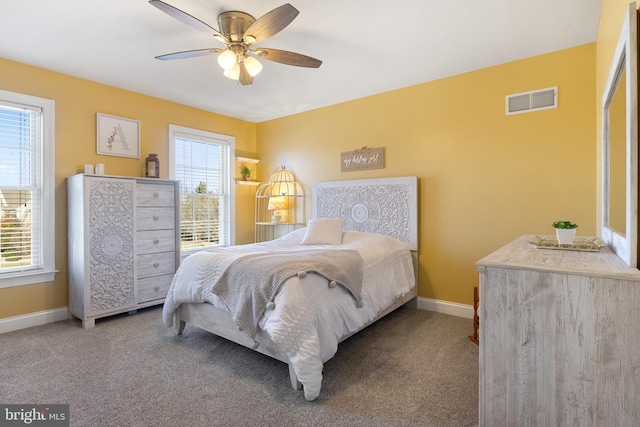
column 230, row 205
column 46, row 273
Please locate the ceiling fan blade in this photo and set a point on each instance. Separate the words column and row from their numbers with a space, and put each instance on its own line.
column 245, row 77
column 185, row 18
column 270, row 23
column 286, row 57
column 188, row 54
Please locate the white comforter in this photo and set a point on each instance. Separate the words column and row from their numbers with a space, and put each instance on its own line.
column 310, row 318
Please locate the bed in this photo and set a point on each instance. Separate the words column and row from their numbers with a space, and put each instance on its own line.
column 364, row 231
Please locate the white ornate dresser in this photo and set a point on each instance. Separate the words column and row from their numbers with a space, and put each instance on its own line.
column 124, row 243
column 559, row 338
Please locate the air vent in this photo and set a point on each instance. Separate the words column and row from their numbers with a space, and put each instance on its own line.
column 526, row 102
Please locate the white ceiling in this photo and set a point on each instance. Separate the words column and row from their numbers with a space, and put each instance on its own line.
column 367, row 46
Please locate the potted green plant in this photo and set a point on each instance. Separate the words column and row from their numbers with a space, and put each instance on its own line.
column 565, row 232
column 245, row 172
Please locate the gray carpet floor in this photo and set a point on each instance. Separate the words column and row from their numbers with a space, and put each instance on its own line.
column 411, row 368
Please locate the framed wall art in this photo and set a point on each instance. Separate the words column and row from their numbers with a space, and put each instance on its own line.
column 117, row 136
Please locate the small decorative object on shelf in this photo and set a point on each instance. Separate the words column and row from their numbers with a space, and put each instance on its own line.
column 245, row 172
column 565, row 232
column 152, row 166
column 247, row 166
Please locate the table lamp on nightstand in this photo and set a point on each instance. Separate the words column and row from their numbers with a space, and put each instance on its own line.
column 278, row 205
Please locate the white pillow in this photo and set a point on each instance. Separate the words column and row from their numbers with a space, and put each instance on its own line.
column 324, row 231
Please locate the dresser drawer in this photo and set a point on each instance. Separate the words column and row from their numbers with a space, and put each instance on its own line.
column 156, row 264
column 154, row 288
column 155, row 195
column 155, row 219
column 154, row 241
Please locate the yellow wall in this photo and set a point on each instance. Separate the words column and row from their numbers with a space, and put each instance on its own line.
column 77, row 101
column 484, row 178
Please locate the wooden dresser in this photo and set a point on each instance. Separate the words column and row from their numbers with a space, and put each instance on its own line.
column 559, row 338
column 124, row 243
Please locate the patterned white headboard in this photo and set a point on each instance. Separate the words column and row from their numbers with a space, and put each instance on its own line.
column 386, row 206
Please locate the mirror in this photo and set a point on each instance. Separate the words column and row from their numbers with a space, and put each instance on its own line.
column 620, row 147
column 617, row 157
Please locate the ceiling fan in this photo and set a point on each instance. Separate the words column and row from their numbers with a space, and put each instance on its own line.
column 240, row 31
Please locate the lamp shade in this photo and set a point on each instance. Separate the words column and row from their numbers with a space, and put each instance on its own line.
column 253, row 65
column 233, row 73
column 277, row 203
column 227, row 59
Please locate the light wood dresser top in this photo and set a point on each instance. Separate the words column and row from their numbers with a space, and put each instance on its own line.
column 521, row 254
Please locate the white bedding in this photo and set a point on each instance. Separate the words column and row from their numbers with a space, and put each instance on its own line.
column 310, row 318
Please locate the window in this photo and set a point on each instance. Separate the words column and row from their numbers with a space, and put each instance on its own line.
column 27, row 205
column 203, row 163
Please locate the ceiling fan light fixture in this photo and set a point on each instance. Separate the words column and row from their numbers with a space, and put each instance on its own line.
column 239, row 31
column 233, row 73
column 227, row 59
column 253, row 65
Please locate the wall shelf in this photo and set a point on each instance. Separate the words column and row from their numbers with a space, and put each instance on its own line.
column 247, row 160
column 243, row 160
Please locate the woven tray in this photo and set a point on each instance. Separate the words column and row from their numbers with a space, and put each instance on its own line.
column 588, row 244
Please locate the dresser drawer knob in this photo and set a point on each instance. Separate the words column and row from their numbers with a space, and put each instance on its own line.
column 155, row 218
column 156, row 264
column 156, row 288
column 156, row 241
column 155, row 195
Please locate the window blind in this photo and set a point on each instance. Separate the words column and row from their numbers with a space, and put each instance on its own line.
column 20, row 187
column 201, row 168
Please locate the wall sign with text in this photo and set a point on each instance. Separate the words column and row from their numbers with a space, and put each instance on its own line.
column 364, row 158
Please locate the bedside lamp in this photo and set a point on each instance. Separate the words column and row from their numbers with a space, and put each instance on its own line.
column 278, row 204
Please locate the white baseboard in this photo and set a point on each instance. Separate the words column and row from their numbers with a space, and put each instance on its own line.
column 10, row 324
column 49, row 316
column 446, row 307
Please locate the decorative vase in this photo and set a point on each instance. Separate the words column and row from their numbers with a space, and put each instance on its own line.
column 565, row 236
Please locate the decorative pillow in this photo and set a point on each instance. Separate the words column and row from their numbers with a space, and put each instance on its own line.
column 324, row 231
